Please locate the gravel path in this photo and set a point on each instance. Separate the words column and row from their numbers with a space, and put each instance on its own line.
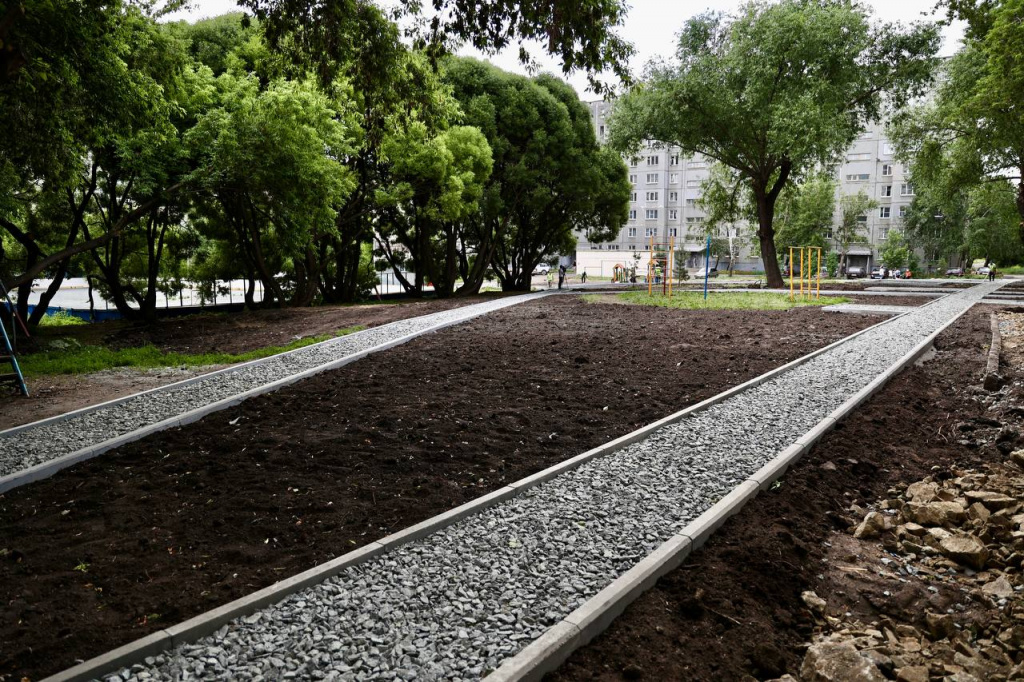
column 26, row 448
column 455, row 604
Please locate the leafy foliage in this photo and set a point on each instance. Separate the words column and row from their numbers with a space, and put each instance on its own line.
column 775, row 93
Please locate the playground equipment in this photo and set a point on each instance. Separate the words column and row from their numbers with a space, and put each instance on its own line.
column 812, row 278
column 660, row 267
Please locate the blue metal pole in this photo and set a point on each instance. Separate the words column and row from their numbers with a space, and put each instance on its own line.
column 707, row 264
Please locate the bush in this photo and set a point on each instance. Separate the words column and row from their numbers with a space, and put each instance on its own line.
column 61, row 318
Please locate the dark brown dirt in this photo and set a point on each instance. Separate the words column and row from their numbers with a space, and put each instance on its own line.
column 733, row 611
column 202, row 333
column 178, row 523
column 891, row 300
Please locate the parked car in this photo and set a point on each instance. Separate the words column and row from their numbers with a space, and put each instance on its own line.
column 876, row 273
column 700, row 273
column 855, row 273
column 984, row 270
column 954, row 272
column 542, row 269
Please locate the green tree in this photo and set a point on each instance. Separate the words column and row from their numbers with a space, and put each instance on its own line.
column 271, row 162
column 971, row 132
column 550, row 176
column 437, row 182
column 580, row 32
column 805, row 212
column 853, row 210
column 778, row 91
column 895, row 253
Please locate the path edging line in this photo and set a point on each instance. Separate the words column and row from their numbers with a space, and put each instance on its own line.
column 49, row 468
column 210, row 621
column 544, row 655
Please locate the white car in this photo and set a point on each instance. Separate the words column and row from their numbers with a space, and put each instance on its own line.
column 542, row 269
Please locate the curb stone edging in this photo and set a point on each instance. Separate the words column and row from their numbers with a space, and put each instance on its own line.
column 545, row 654
column 210, row 621
column 993, row 382
column 49, row 468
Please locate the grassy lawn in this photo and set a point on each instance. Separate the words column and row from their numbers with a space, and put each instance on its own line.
column 721, row 301
column 77, row 359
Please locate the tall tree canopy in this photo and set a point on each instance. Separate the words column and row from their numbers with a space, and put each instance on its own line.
column 579, row 32
column 550, row 176
column 972, row 131
column 776, row 92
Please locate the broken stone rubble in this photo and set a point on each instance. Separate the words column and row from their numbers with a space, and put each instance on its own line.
column 966, row 531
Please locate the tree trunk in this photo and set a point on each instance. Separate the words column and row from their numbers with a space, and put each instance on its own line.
column 766, row 236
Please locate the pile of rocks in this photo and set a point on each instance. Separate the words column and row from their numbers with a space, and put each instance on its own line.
column 961, row 531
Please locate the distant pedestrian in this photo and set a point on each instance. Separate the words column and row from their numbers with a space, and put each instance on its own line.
column 583, row 277
column 550, row 279
column 561, row 275
column 992, row 274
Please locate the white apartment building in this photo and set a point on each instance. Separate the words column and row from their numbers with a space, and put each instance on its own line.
column 666, row 186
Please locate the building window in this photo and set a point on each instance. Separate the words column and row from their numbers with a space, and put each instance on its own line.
column 887, row 148
column 886, row 190
column 883, row 233
column 653, row 160
column 651, row 214
column 631, row 232
column 885, row 211
column 673, row 178
column 650, row 232
column 652, row 196
column 693, row 184
column 860, row 156
column 828, row 232
column 652, row 178
column 903, row 211
column 673, row 160
column 673, row 214
column 697, row 164
column 862, row 218
column 673, row 196
column 887, row 170
column 602, row 132
column 858, row 177
column 691, row 202
column 632, row 178
column 694, row 220
column 907, row 189
column 632, row 197
column 633, row 162
column 632, row 247
column 613, row 247
column 632, row 214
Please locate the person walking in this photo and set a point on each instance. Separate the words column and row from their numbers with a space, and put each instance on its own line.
column 550, row 279
column 992, row 274
column 583, row 277
column 561, row 275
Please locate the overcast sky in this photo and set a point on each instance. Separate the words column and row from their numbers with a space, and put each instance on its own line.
column 651, row 26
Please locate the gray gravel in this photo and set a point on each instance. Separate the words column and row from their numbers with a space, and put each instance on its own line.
column 453, row 605
column 27, row 448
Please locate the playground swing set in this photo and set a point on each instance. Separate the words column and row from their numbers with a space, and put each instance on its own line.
column 809, row 275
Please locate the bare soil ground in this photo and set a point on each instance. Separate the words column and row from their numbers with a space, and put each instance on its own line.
column 162, row 529
column 734, row 610
column 202, row 333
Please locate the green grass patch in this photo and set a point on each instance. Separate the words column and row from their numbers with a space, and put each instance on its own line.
column 61, row 318
column 77, row 359
column 721, row 300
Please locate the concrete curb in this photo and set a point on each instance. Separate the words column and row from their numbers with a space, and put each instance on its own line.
column 210, row 621
column 49, row 468
column 993, row 382
column 591, row 619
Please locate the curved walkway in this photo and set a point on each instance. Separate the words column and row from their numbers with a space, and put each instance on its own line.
column 456, row 603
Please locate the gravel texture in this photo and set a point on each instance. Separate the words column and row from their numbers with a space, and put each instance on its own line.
column 33, row 446
column 455, row 604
